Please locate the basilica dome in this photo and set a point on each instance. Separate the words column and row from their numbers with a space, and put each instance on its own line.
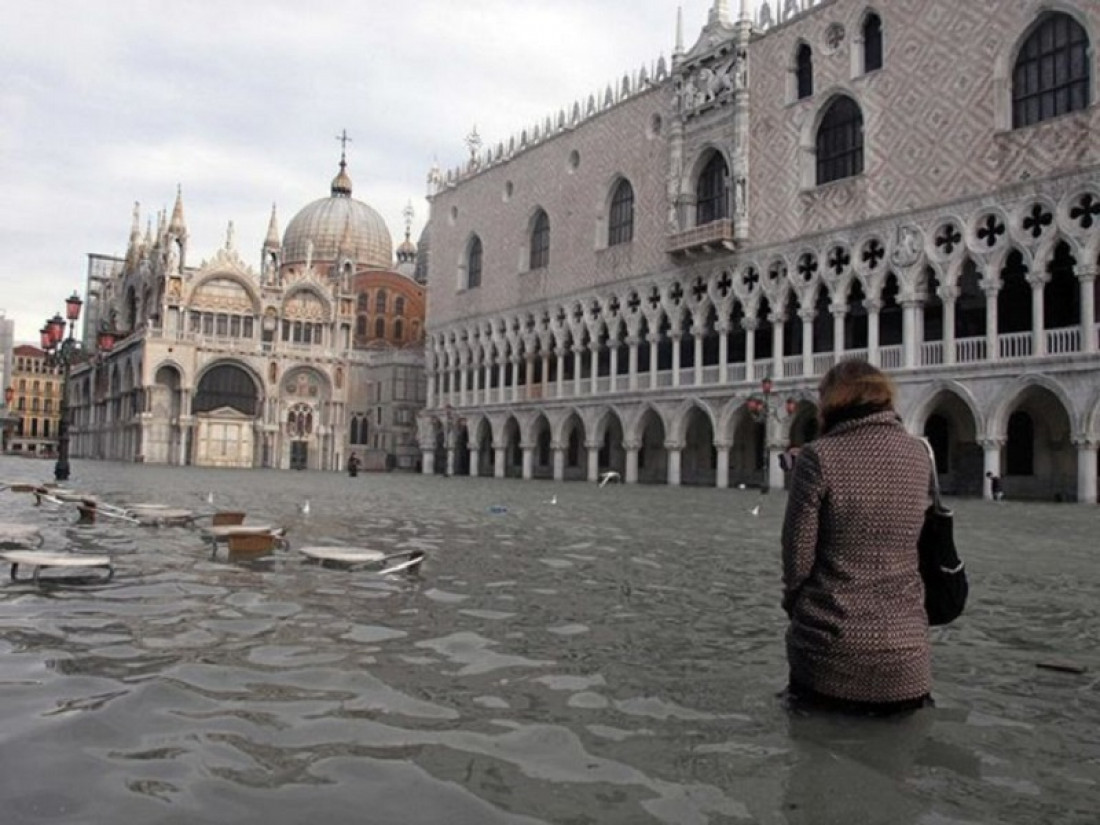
column 338, row 226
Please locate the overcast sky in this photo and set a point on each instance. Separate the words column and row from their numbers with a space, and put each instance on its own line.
column 108, row 102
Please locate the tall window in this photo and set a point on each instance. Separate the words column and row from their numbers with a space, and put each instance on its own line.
column 1051, row 76
column 620, row 223
column 380, row 301
column 840, row 141
column 380, row 327
column 362, row 302
column 712, row 203
column 540, row 242
column 804, row 72
column 872, row 43
column 473, row 264
column 399, row 305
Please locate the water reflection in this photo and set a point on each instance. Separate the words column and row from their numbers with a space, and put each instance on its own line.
column 611, row 658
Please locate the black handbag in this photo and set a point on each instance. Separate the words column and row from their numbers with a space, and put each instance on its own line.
column 945, row 583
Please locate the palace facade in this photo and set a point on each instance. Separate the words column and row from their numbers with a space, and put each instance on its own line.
column 652, row 280
column 317, row 354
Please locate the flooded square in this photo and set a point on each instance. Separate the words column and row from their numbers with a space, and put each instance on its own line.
column 567, row 654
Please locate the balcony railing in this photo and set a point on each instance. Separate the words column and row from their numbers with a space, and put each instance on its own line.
column 709, row 237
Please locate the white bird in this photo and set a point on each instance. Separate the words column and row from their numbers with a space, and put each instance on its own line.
column 755, row 510
column 305, row 507
column 740, row 486
column 554, row 499
column 210, row 497
column 609, row 476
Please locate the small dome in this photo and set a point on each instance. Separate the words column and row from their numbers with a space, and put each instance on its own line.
column 338, row 226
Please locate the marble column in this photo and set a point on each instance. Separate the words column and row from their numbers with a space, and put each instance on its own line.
column 594, row 367
column 839, row 314
column 631, row 450
column 578, row 360
column 992, row 347
column 948, row 297
column 498, row 460
column 723, row 331
column 697, row 332
column 675, row 336
column 472, row 458
column 1038, row 323
column 911, row 342
column 722, row 473
column 515, row 378
column 560, row 354
column 427, row 454
column 750, row 348
column 1087, row 277
column 675, row 453
column 613, row 378
column 1086, row 470
column 777, row 322
column 653, row 361
column 558, row 451
column 632, row 377
column 593, row 448
column 528, row 461
column 807, row 316
column 430, row 403
column 874, row 311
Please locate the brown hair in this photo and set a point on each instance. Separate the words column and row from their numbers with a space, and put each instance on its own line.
column 852, row 389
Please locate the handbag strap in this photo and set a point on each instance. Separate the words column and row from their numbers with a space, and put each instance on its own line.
column 935, row 476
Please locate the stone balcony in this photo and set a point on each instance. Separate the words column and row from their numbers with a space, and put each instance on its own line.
column 716, row 236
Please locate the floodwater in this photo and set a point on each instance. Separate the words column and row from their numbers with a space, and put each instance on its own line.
column 614, row 657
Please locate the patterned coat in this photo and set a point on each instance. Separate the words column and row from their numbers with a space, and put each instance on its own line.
column 852, row 588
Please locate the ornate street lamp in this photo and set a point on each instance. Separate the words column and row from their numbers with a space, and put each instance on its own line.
column 61, row 350
column 764, row 405
column 451, row 423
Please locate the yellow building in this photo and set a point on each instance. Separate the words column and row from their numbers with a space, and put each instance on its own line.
column 36, row 400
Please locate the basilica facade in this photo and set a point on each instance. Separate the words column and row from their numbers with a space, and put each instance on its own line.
column 315, row 355
column 651, row 281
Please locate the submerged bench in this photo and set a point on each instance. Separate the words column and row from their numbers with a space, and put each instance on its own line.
column 344, row 556
column 39, row 561
column 19, row 535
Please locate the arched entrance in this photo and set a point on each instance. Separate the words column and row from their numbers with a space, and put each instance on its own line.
column 225, row 406
column 698, row 462
column 1039, row 460
column 652, row 455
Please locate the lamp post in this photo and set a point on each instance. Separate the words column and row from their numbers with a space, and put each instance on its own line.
column 61, row 350
column 451, row 423
column 7, row 420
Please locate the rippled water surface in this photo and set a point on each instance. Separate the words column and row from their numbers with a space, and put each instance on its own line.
column 611, row 658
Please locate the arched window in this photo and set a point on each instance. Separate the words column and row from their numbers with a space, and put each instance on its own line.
column 362, row 304
column 840, row 141
column 473, row 264
column 380, row 327
column 1051, row 76
column 804, row 72
column 380, row 301
column 540, row 241
column 712, row 200
column 361, row 326
column 872, row 43
column 398, row 330
column 399, row 305
column 620, row 223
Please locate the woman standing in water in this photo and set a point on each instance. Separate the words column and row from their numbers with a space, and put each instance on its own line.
column 858, row 635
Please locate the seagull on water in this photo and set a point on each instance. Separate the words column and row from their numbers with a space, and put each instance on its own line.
column 755, row 510
column 608, row 477
column 210, row 497
column 304, row 507
column 554, row 498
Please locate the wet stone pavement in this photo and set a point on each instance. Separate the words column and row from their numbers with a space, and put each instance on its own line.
column 614, row 657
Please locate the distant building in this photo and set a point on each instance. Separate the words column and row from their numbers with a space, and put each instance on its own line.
column 317, row 353
column 915, row 184
column 36, row 401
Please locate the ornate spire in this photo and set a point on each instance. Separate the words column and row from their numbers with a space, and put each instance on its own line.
column 135, row 235
column 177, row 226
column 229, row 247
column 341, row 184
column 678, row 49
column 272, row 239
column 720, row 13
column 746, row 14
